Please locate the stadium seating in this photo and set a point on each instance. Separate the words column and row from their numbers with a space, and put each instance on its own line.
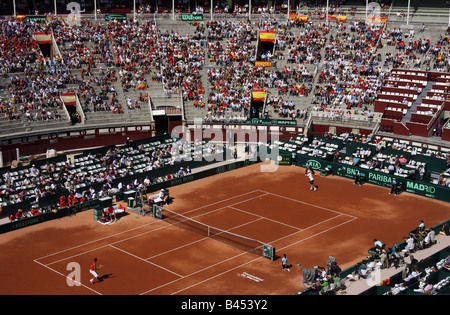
column 98, row 172
column 429, row 270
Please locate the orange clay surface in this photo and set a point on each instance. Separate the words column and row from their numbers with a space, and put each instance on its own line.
column 144, row 255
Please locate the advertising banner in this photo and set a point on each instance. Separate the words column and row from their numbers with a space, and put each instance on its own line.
column 192, row 17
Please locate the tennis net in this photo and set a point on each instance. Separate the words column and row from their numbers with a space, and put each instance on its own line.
column 238, row 241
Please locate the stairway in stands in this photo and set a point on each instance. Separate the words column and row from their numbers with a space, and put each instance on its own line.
column 418, row 101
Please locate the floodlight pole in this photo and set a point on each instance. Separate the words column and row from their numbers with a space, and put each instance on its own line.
column 407, row 15
column 288, row 10
column 367, row 8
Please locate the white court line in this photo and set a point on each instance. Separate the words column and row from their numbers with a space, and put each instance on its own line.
column 221, row 208
column 65, row 276
column 148, row 262
column 94, row 241
column 302, row 240
column 306, row 203
column 103, row 246
column 213, row 203
column 281, row 223
column 198, row 271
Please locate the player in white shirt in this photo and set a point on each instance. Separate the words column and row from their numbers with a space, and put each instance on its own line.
column 309, row 172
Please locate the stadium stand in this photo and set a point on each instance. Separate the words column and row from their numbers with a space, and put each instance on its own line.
column 99, row 173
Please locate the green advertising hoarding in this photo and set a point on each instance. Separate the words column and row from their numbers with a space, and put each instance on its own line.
column 284, row 159
column 271, row 122
column 110, row 17
column 192, row 17
column 36, row 18
column 314, row 163
column 376, row 177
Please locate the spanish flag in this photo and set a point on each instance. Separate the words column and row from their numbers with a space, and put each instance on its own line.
column 377, row 19
column 293, row 16
column 263, row 63
column 258, row 95
column 341, row 18
column 43, row 38
column 69, row 98
column 267, row 36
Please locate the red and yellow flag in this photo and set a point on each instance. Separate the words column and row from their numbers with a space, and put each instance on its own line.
column 258, row 95
column 69, row 98
column 43, row 38
column 263, row 63
column 267, row 36
column 377, row 19
column 293, row 16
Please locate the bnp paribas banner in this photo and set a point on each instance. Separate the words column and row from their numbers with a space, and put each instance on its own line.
column 384, row 179
column 376, row 177
column 373, row 177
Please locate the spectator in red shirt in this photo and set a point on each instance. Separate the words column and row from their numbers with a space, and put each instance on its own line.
column 111, row 214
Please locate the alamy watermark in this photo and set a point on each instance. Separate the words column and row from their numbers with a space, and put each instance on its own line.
column 74, row 17
column 74, row 276
column 373, row 15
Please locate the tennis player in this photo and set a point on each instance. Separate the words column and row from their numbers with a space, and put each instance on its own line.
column 284, row 263
column 93, row 270
column 309, row 172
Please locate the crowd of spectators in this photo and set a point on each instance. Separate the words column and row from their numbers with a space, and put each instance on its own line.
column 351, row 76
column 393, row 163
column 350, row 70
column 324, row 280
column 36, row 96
column 18, row 49
column 416, row 50
column 418, row 279
column 83, row 47
column 231, row 47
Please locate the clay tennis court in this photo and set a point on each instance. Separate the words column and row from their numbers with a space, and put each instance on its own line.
column 145, row 255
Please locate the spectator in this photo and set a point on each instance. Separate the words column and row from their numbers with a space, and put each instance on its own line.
column 362, row 270
column 411, row 276
column 445, row 229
